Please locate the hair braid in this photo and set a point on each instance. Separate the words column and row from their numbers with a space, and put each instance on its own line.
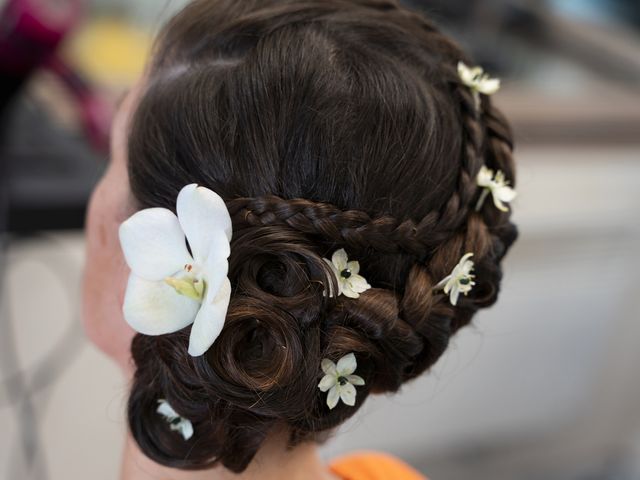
column 359, row 229
column 487, row 140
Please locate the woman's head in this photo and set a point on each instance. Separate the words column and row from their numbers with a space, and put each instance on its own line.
column 323, row 125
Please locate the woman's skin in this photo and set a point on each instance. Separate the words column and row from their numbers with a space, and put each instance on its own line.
column 105, row 280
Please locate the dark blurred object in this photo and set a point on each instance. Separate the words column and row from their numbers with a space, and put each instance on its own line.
column 600, row 35
column 457, row 11
column 51, row 171
column 30, row 32
column 48, row 170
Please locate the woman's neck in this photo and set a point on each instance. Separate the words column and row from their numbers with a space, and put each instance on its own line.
column 270, row 463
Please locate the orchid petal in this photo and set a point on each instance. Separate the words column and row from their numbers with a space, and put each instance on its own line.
column 358, row 283
column 202, row 214
column 348, row 292
column 210, row 319
column 353, row 266
column 214, row 271
column 328, row 367
column 166, row 410
column 455, row 292
column 355, row 379
column 348, row 394
column 327, row 382
column 442, row 283
column 506, row 194
column 155, row 308
column 499, row 205
column 465, row 73
column 489, row 86
column 185, row 428
column 334, row 396
column 339, row 259
column 485, row 176
column 153, row 243
column 465, row 257
column 347, row 365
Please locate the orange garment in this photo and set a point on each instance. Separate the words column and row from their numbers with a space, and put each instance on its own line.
column 373, row 466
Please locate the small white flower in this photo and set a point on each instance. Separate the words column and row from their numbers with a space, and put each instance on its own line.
column 349, row 282
column 498, row 186
column 478, row 81
column 460, row 279
column 170, row 288
column 340, row 381
column 176, row 422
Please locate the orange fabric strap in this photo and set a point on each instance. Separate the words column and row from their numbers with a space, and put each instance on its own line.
column 373, row 466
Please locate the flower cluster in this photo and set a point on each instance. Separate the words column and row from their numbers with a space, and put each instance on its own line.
column 478, row 81
column 176, row 422
column 460, row 280
column 350, row 284
column 340, row 380
column 497, row 185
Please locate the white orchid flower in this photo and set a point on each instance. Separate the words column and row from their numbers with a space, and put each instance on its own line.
column 349, row 282
column 478, row 81
column 169, row 287
column 498, row 186
column 176, row 422
column 459, row 281
column 340, row 381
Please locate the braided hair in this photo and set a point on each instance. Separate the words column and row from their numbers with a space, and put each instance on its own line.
column 323, row 124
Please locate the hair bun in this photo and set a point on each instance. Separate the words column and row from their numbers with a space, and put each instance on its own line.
column 354, row 119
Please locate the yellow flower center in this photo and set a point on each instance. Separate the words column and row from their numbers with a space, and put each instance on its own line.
column 188, row 285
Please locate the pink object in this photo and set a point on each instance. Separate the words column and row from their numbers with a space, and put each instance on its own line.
column 96, row 112
column 30, row 31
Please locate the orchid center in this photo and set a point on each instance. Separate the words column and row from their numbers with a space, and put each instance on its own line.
column 189, row 284
column 346, row 273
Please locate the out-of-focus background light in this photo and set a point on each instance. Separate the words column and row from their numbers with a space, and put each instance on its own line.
column 542, row 386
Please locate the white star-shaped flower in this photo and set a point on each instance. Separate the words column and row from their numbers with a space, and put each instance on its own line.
column 497, row 185
column 349, row 282
column 478, row 81
column 176, row 422
column 340, row 381
column 460, row 280
column 169, row 287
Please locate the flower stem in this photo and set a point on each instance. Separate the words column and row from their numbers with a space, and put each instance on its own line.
column 483, row 196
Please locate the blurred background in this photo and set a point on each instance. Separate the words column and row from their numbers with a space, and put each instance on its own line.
column 544, row 385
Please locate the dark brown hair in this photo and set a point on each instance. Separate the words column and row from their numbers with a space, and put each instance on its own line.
column 324, row 125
